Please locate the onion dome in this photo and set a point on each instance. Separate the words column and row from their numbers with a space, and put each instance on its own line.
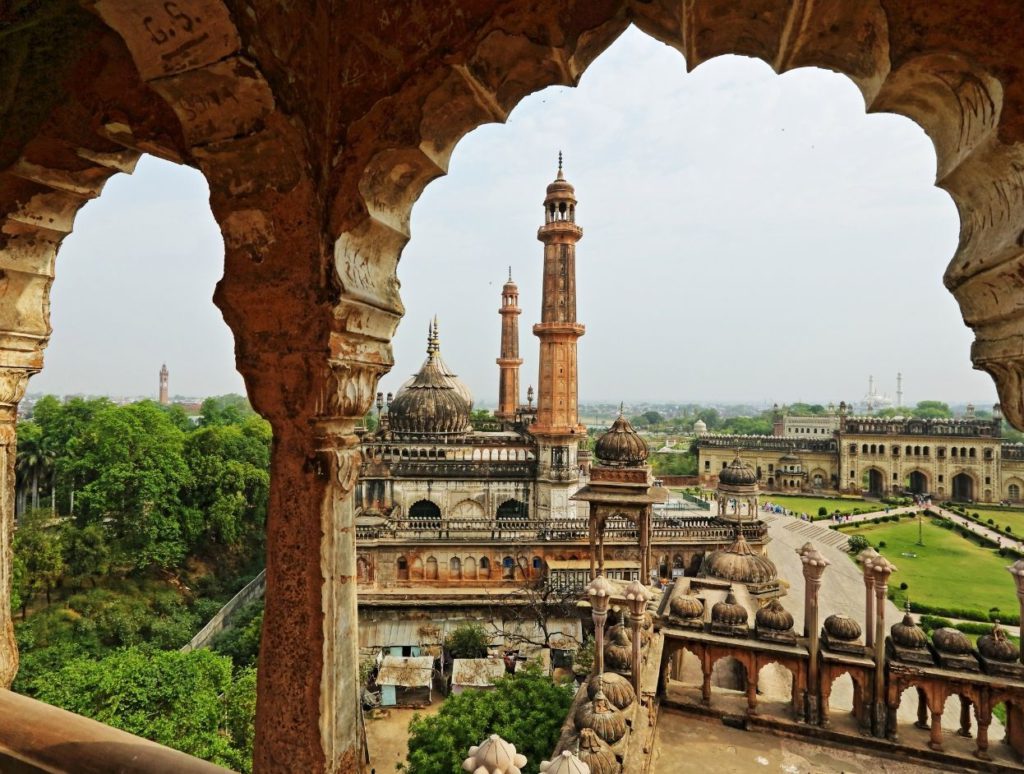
column 596, row 754
column 430, row 404
column 952, row 641
column 700, row 426
column 686, row 607
column 774, row 617
column 842, row 627
column 621, row 445
column 908, row 634
column 729, row 612
column 617, row 689
column 997, row 646
column 737, row 473
column 618, row 651
column 458, row 384
column 494, row 754
column 566, row 763
column 739, row 563
column 606, row 721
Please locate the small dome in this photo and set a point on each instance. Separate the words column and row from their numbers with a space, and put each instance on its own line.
column 597, row 754
column 606, row 721
column 997, row 647
column 618, row 650
column 774, row 617
column 432, row 403
column 566, row 763
column 700, row 426
column 739, row 563
column 737, row 473
column 842, row 627
column 908, row 634
column 616, row 688
column 729, row 612
column 621, row 445
column 685, row 606
column 494, row 754
column 952, row 641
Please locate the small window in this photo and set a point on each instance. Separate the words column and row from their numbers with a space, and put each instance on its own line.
column 940, row 478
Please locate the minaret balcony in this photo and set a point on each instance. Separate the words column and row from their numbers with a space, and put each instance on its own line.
column 559, row 227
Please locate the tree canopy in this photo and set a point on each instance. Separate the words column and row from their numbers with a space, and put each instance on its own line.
column 526, row 709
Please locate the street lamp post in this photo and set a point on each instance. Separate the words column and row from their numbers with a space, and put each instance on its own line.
column 599, row 592
column 636, row 596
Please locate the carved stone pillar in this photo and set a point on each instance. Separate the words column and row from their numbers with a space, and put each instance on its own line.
column 881, row 569
column 814, row 565
column 12, row 387
column 865, row 557
column 935, row 741
column 983, row 713
column 922, row 710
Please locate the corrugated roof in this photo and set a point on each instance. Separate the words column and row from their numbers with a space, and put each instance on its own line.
column 477, row 672
column 406, row 672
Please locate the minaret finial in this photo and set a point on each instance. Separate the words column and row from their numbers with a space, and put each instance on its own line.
column 432, row 337
column 622, row 407
column 509, row 273
column 560, row 176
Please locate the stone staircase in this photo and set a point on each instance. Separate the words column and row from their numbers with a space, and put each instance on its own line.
column 811, row 531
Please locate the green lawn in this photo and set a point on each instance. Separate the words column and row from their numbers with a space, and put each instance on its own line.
column 948, row 571
column 810, row 505
column 1012, row 519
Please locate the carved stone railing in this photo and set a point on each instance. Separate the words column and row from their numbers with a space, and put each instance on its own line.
column 36, row 737
column 1012, row 451
column 458, row 469
column 672, row 529
column 771, row 442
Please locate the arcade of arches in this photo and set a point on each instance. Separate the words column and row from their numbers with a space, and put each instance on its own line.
column 317, row 130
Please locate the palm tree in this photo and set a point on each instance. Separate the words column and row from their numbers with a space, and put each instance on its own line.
column 31, row 460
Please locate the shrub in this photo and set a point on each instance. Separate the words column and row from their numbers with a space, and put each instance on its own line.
column 1009, row 530
column 991, row 521
column 881, row 544
column 903, row 586
column 823, row 511
column 931, row 622
column 857, row 543
column 467, row 641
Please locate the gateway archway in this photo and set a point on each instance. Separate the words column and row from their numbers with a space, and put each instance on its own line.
column 963, row 487
column 874, row 482
column 917, row 482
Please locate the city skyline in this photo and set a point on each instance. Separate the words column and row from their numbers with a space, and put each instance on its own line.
column 715, row 223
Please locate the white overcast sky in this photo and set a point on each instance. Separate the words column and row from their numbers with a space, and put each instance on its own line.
column 748, row 237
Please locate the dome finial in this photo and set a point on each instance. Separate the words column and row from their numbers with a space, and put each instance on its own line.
column 433, row 340
column 560, row 175
column 509, row 273
column 621, row 408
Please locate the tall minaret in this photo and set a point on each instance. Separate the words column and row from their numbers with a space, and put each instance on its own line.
column 165, row 397
column 557, row 427
column 509, row 362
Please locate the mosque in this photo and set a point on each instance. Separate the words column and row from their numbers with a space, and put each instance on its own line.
column 451, row 513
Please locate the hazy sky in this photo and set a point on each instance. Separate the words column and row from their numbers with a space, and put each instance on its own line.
column 747, row 236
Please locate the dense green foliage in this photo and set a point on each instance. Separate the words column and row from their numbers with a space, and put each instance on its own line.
column 184, row 700
column 241, row 642
column 526, row 709
column 674, row 464
column 468, row 640
column 135, row 524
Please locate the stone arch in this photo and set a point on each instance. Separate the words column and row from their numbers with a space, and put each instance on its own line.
column 455, row 568
column 464, row 512
column 416, row 571
column 364, row 569
column 257, row 165
column 402, row 568
column 430, row 569
column 728, row 673
column 775, row 683
column 425, row 513
column 469, row 568
column 485, row 568
column 511, row 512
column 1014, row 489
column 917, row 481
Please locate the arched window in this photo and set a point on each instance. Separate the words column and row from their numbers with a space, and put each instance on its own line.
column 973, row 453
column 469, row 568
column 874, row 449
column 917, row 451
column 864, row 448
column 881, row 448
column 362, row 570
column 402, row 568
column 511, row 513
column 538, row 565
column 431, row 572
column 426, row 513
column 926, row 450
column 963, row 451
column 455, row 568
column 508, row 568
column 416, row 569
column 485, row 568
column 953, row 452
column 909, row 450
column 1013, row 491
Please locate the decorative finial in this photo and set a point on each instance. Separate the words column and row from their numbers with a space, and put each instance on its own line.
column 509, row 273
column 560, row 175
column 432, row 338
column 621, row 408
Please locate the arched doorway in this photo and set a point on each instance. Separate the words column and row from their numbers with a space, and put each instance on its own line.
column 511, row 513
column 917, row 482
column 963, row 487
column 425, row 513
column 874, row 482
